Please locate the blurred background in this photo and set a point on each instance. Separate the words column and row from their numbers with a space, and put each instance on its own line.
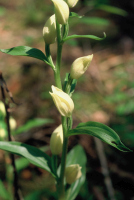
column 104, row 94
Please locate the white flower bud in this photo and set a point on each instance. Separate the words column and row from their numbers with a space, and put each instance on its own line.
column 12, row 123
column 56, row 141
column 49, row 31
column 72, row 173
column 2, row 109
column 62, row 101
column 71, row 3
column 80, row 65
column 61, row 11
column 2, row 133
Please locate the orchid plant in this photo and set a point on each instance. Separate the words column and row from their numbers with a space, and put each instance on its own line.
column 70, row 173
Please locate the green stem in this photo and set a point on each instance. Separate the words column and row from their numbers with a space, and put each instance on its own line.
column 58, row 60
column 57, row 78
column 61, row 188
column 60, row 182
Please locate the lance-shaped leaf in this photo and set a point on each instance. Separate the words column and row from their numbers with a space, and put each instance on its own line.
column 32, row 124
column 25, row 51
column 33, row 154
column 4, row 194
column 100, row 131
column 76, row 156
column 84, row 36
column 112, row 9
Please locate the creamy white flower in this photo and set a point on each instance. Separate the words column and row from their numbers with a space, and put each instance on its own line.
column 80, row 65
column 62, row 101
column 61, row 11
column 49, row 31
column 72, row 173
column 71, row 3
column 56, row 141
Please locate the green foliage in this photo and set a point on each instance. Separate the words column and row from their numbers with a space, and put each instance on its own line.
column 3, row 192
column 32, row 124
column 66, row 85
column 100, row 131
column 21, row 163
column 73, row 14
column 125, row 129
column 95, row 21
column 39, row 194
column 112, row 9
column 76, row 156
column 34, row 196
column 25, row 51
column 84, row 36
column 2, row 11
column 34, row 155
column 85, row 193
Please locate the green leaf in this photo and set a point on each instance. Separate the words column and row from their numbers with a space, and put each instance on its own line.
column 3, row 192
column 95, row 21
column 2, row 11
column 32, row 124
column 100, row 131
column 34, row 195
column 33, row 154
column 21, row 163
column 76, row 156
column 113, row 10
column 25, row 51
column 73, row 14
column 39, row 194
column 84, row 36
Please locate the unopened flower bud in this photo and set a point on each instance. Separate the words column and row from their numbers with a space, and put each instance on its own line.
column 72, row 173
column 71, row 3
column 12, row 123
column 2, row 133
column 56, row 141
column 2, row 109
column 62, row 101
column 80, row 65
column 61, row 11
column 49, row 30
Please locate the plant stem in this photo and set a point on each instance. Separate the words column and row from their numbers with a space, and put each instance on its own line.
column 58, row 60
column 60, row 182
column 57, row 79
column 61, row 188
column 15, row 181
